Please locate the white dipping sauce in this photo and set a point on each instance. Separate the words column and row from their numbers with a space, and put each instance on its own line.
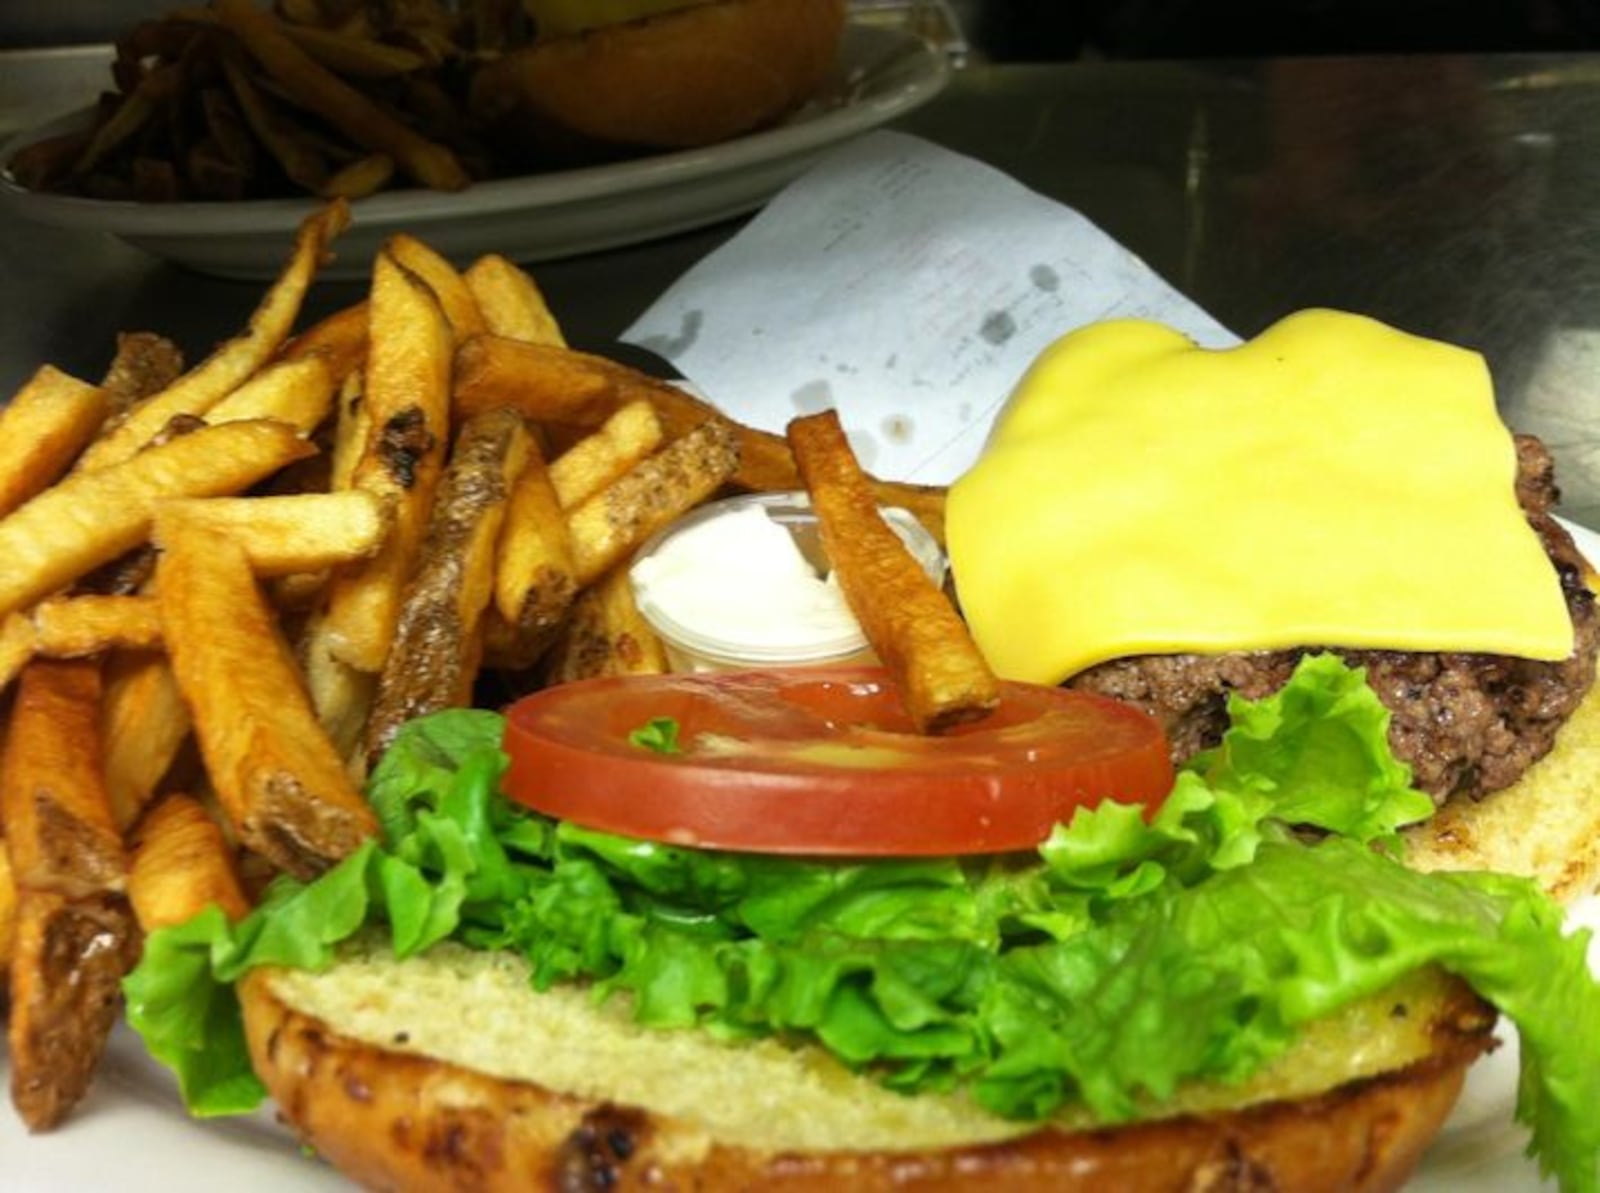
column 739, row 578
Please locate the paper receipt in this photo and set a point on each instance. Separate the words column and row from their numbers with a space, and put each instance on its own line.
column 906, row 286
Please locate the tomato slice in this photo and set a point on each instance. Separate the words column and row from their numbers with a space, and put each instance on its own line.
column 825, row 762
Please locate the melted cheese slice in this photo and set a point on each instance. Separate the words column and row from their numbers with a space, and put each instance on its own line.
column 1333, row 482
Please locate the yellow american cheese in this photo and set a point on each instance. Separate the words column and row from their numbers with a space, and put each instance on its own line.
column 1332, row 482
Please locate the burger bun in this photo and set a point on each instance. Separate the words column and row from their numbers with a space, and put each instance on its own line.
column 689, row 77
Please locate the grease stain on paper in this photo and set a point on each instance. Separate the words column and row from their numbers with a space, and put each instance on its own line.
column 1044, row 278
column 813, row 397
column 998, row 327
column 673, row 346
column 899, row 429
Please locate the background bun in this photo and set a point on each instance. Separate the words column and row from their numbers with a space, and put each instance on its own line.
column 690, row 77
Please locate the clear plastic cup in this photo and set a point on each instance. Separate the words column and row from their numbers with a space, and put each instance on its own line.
column 692, row 648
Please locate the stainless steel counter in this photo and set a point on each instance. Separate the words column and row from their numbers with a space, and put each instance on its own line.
column 1454, row 197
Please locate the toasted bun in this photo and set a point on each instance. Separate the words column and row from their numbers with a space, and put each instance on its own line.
column 1544, row 826
column 450, row 1072
column 690, row 77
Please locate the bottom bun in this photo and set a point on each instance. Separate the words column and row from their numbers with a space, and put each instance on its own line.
column 1545, row 826
column 450, row 1072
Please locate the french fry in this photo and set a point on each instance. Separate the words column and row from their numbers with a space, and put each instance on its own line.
column 916, row 632
column 144, row 724
column 298, row 392
column 436, row 650
column 224, row 370
column 80, row 626
column 180, row 865
column 534, row 582
column 614, row 521
column 365, row 176
column 511, row 302
column 138, row 108
column 596, row 460
column 767, row 465
column 455, row 297
column 313, row 87
column 68, row 960
column 351, row 429
column 340, row 694
column 74, row 935
column 556, row 385
column 277, row 775
column 300, row 162
column 606, row 635
column 16, row 647
column 144, row 364
column 340, row 339
column 406, row 403
column 59, row 829
column 42, row 429
column 8, row 911
column 341, row 697
column 547, row 382
column 359, row 57
column 91, row 518
column 294, row 532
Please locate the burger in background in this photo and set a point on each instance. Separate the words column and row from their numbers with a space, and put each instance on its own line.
column 610, row 79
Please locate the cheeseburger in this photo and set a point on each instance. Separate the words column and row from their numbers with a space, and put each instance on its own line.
column 1275, row 661
column 616, row 77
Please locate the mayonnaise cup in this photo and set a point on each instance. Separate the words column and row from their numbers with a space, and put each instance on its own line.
column 744, row 583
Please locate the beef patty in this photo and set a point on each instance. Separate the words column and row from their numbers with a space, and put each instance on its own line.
column 1468, row 724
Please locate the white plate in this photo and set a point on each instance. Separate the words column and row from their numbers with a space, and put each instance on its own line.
column 131, row 1133
column 881, row 74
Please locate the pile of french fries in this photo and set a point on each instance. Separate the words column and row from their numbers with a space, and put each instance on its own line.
column 223, row 588
column 335, row 98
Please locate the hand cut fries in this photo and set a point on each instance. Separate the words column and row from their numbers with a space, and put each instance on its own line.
column 278, row 776
column 291, row 533
column 556, row 385
column 606, row 635
column 16, row 646
column 916, row 632
column 535, row 580
column 298, row 392
column 55, row 415
column 74, row 936
column 340, row 339
column 150, row 590
column 406, row 404
column 144, row 725
column 229, row 366
column 511, row 302
column 621, row 516
column 455, row 297
column 547, row 382
column 145, row 364
column 59, row 830
column 67, row 962
column 181, row 864
column 81, row 626
column 93, row 516
column 437, row 641
column 592, row 463
column 8, row 911
column 319, row 90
